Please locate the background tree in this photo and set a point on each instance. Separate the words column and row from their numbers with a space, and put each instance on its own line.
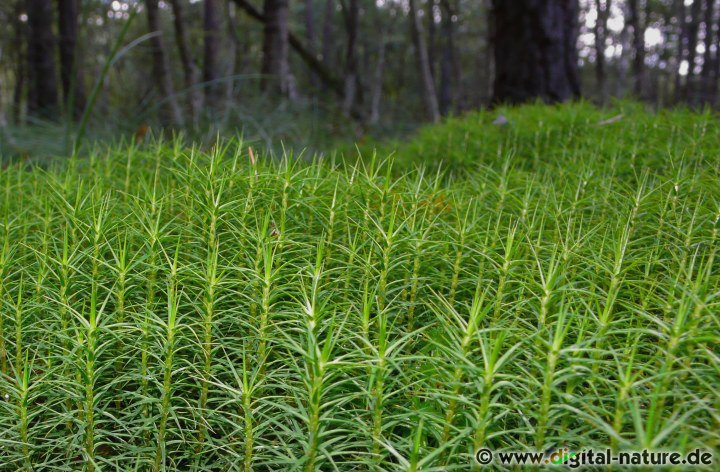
column 535, row 50
column 70, row 67
column 211, row 36
column 161, row 63
column 43, row 93
column 275, row 62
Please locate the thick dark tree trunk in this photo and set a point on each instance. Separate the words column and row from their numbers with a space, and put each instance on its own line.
column 191, row 72
column 535, row 50
column 275, row 65
column 211, row 37
column 351, row 61
column 638, row 38
column 423, row 60
column 70, row 69
column 161, row 63
column 43, row 93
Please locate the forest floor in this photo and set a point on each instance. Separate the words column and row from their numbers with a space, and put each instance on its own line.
column 547, row 282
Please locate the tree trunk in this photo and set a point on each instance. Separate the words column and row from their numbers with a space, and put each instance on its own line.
column 327, row 34
column 231, row 66
column 191, row 72
column 211, row 40
column 161, row 63
column 275, row 64
column 43, row 93
column 692, row 34
column 707, row 65
column 351, row 62
column 310, row 36
column 681, row 42
column 715, row 83
column 323, row 72
column 535, row 50
column 638, row 61
column 378, row 83
column 447, row 59
column 431, row 102
column 70, row 70
column 432, row 36
column 20, row 34
column 600, row 31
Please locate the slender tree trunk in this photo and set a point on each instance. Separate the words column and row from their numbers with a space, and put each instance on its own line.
column 715, row 83
column 43, row 93
column 535, row 50
column 161, row 63
column 231, row 66
column 211, row 41
column 708, row 41
column 681, row 46
column 447, row 59
column 429, row 94
column 4, row 128
column 600, row 30
column 692, row 33
column 378, row 82
column 191, row 72
column 351, row 61
column 20, row 35
column 311, row 36
column 432, row 36
column 70, row 69
column 328, row 32
column 638, row 61
column 275, row 64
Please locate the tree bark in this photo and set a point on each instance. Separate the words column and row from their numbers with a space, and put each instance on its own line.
column 70, row 69
column 43, row 93
column 328, row 33
column 19, row 34
column 429, row 94
column 161, row 63
column 231, row 66
column 535, row 50
column 638, row 61
column 447, row 59
column 692, row 33
column 351, row 62
column 377, row 89
column 310, row 36
column 191, row 72
column 275, row 63
column 324, row 73
column 708, row 41
column 600, row 31
column 211, row 40
column 681, row 43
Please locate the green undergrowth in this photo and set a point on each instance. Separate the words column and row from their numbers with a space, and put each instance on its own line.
column 171, row 308
column 561, row 137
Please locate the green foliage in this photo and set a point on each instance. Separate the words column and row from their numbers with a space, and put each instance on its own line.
column 539, row 137
column 170, row 308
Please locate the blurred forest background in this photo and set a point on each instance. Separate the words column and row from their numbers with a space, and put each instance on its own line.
column 314, row 71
